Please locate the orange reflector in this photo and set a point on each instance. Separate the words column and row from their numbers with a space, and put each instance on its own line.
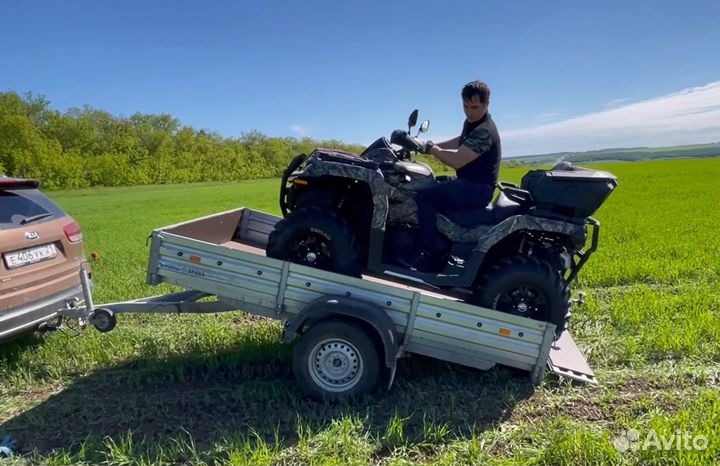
column 299, row 181
column 196, row 259
column 505, row 332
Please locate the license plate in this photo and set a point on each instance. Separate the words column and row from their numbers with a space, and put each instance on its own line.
column 29, row 256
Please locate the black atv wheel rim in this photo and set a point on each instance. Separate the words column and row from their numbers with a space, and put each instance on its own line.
column 523, row 300
column 312, row 249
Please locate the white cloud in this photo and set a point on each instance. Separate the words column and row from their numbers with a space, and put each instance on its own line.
column 685, row 117
column 548, row 115
column 298, row 129
column 616, row 102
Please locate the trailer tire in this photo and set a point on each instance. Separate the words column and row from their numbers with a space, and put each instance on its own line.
column 103, row 319
column 528, row 287
column 335, row 359
column 317, row 238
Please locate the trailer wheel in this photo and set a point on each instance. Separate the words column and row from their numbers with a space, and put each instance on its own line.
column 335, row 359
column 103, row 319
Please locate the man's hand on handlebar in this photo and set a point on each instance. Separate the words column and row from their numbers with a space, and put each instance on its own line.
column 403, row 139
column 423, row 147
column 427, row 147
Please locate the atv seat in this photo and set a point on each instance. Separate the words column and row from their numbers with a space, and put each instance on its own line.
column 493, row 213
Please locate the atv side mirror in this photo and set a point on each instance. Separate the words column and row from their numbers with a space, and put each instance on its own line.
column 412, row 121
column 424, row 126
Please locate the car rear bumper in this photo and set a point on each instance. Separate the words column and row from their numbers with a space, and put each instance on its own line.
column 27, row 317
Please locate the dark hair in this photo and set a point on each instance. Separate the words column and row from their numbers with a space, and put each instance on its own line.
column 476, row 88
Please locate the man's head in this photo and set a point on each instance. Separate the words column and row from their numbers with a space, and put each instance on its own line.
column 476, row 99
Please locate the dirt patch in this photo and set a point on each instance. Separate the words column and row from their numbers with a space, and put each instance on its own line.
column 626, row 398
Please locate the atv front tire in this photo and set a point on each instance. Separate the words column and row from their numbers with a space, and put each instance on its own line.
column 528, row 287
column 317, row 238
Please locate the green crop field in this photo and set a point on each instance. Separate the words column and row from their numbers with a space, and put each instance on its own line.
column 217, row 389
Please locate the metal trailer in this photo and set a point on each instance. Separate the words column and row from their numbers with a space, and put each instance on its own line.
column 351, row 331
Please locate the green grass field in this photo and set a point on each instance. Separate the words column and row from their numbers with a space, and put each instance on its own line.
column 218, row 389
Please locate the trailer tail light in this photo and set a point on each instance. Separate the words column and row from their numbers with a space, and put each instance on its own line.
column 73, row 232
column 505, row 332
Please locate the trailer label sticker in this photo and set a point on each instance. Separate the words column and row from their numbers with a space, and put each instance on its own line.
column 182, row 269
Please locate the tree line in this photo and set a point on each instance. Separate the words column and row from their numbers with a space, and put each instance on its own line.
column 85, row 147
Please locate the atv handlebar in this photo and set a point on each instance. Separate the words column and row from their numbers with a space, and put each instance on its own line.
column 404, row 140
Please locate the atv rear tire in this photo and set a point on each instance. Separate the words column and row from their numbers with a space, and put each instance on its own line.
column 528, row 287
column 317, row 238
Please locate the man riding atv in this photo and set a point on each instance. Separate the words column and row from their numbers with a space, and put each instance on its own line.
column 518, row 253
column 475, row 155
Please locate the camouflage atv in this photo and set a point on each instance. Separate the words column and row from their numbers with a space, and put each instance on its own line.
column 348, row 214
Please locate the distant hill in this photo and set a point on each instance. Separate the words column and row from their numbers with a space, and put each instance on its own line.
column 631, row 154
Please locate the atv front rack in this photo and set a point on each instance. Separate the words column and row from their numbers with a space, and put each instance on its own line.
column 294, row 164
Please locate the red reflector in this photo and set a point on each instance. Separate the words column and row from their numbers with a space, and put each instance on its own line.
column 73, row 232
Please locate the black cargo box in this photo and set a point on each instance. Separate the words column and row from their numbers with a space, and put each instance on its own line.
column 576, row 193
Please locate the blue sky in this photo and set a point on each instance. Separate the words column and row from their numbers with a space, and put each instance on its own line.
column 565, row 75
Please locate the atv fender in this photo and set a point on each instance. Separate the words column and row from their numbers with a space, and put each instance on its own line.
column 316, row 197
column 528, row 222
column 343, row 306
column 373, row 178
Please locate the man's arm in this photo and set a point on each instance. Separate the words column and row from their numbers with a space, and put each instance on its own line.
column 474, row 146
column 455, row 159
column 453, row 143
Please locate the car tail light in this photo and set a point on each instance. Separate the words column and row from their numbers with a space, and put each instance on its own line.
column 18, row 183
column 73, row 232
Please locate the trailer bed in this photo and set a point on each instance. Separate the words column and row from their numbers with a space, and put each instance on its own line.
column 224, row 255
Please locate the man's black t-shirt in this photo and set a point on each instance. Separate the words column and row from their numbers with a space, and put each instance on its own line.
column 482, row 138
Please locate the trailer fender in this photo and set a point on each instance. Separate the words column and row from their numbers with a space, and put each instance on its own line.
column 331, row 306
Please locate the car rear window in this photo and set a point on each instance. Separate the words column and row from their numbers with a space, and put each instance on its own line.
column 20, row 204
